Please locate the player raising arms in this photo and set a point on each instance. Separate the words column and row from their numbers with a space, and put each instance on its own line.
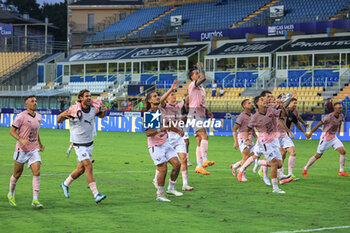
column 241, row 125
column 82, row 132
column 197, row 112
column 264, row 121
column 332, row 124
column 25, row 129
column 161, row 151
column 173, row 116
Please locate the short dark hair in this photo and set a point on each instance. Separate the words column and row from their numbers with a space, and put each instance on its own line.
column 293, row 99
column 82, row 92
column 336, row 103
column 263, row 93
column 243, row 102
column 256, row 100
column 28, row 97
column 190, row 73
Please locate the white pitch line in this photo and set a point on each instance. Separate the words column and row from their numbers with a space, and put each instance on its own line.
column 317, row 229
column 146, row 171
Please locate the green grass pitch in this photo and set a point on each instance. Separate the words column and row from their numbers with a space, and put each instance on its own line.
column 124, row 171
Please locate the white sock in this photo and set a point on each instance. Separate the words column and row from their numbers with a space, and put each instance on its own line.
column 305, row 167
column 35, row 198
column 241, row 170
column 281, row 174
column 275, row 186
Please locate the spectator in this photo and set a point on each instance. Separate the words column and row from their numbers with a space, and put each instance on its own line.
column 214, row 86
column 61, row 103
column 222, row 91
column 124, row 105
column 129, row 105
column 114, row 105
column 329, row 106
column 67, row 102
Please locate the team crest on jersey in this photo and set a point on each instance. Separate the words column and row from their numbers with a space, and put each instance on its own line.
column 151, row 120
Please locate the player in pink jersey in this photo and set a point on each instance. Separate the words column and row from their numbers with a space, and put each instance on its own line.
column 241, row 125
column 161, row 151
column 332, row 124
column 173, row 117
column 197, row 114
column 264, row 121
column 82, row 130
column 25, row 129
column 286, row 144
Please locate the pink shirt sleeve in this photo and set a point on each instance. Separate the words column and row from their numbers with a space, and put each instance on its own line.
column 239, row 120
column 180, row 104
column 18, row 121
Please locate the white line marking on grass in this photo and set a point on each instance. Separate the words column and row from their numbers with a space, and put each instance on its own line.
column 140, row 171
column 317, row 229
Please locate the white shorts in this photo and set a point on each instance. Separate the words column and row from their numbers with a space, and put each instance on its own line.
column 285, row 142
column 83, row 152
column 162, row 154
column 270, row 150
column 325, row 145
column 243, row 145
column 185, row 129
column 177, row 142
column 197, row 119
column 28, row 157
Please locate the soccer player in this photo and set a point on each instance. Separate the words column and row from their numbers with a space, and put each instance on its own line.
column 332, row 124
column 241, row 125
column 82, row 132
column 25, row 129
column 184, row 112
column 286, row 144
column 197, row 112
column 264, row 121
column 161, row 151
column 173, row 117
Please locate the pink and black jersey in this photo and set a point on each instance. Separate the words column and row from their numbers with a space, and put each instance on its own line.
column 197, row 100
column 173, row 113
column 243, row 121
column 331, row 126
column 28, row 128
column 160, row 138
column 265, row 124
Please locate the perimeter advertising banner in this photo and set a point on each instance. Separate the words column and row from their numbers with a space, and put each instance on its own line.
column 272, row 30
column 134, row 123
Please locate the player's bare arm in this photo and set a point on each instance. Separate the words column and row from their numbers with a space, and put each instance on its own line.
column 165, row 96
column 202, row 77
column 14, row 134
column 314, row 129
column 234, row 133
column 63, row 116
column 41, row 146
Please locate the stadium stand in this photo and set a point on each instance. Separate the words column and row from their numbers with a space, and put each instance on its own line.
column 10, row 61
column 130, row 23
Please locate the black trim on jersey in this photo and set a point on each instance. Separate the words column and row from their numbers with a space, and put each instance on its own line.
column 265, row 147
column 15, row 127
column 32, row 115
column 83, row 144
column 86, row 110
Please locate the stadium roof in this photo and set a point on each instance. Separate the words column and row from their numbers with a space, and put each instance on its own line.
column 256, row 47
column 164, row 52
column 172, row 52
column 106, row 2
column 318, row 44
column 97, row 55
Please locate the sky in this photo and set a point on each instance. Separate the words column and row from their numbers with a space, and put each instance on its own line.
column 48, row 1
